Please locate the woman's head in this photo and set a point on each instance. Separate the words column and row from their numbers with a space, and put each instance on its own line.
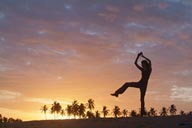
column 144, row 64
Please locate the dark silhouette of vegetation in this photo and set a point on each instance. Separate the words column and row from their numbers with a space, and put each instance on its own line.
column 182, row 112
column 1, row 119
column 190, row 113
column 163, row 111
column 90, row 115
column 125, row 113
column 116, row 111
column 97, row 114
column 62, row 112
column 69, row 110
column 81, row 110
column 5, row 120
column 56, row 108
column 75, row 108
column 172, row 110
column 133, row 113
column 44, row 109
column 105, row 111
column 91, row 104
column 152, row 112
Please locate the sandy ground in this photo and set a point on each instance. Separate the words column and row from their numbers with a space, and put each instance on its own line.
column 134, row 122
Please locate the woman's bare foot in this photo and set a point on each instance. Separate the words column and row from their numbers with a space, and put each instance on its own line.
column 114, row 94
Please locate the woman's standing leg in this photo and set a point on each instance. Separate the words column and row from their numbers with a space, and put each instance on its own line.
column 142, row 99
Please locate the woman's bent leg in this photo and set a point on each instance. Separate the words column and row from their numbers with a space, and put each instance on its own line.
column 124, row 87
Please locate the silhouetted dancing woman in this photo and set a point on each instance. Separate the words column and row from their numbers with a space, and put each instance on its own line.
column 142, row 84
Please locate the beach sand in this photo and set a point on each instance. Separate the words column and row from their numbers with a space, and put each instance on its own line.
column 130, row 122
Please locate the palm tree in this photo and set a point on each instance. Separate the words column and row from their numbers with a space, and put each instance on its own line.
column 97, row 114
column 90, row 114
column 1, row 119
column 105, row 111
column 11, row 120
column 53, row 108
column 62, row 112
column 152, row 112
column 5, row 119
column 82, row 109
column 69, row 110
column 91, row 104
column 133, row 113
column 75, row 108
column 44, row 109
column 173, row 109
column 116, row 111
column 163, row 111
column 56, row 108
column 18, row 120
column 125, row 112
column 182, row 112
column 190, row 113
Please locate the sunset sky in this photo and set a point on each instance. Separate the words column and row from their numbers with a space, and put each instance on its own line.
column 65, row 50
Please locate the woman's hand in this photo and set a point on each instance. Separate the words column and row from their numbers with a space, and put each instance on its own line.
column 140, row 54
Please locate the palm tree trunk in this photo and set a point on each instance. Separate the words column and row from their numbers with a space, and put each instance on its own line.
column 45, row 116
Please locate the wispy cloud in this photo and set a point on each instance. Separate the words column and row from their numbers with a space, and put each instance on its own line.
column 184, row 73
column 139, row 26
column 40, row 100
column 91, row 31
column 46, row 101
column 8, row 95
column 181, row 93
column 5, row 68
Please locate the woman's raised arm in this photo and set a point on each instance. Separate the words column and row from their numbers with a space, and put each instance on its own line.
column 139, row 67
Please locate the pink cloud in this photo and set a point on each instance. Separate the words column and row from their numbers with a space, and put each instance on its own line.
column 163, row 5
column 112, row 9
column 139, row 8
